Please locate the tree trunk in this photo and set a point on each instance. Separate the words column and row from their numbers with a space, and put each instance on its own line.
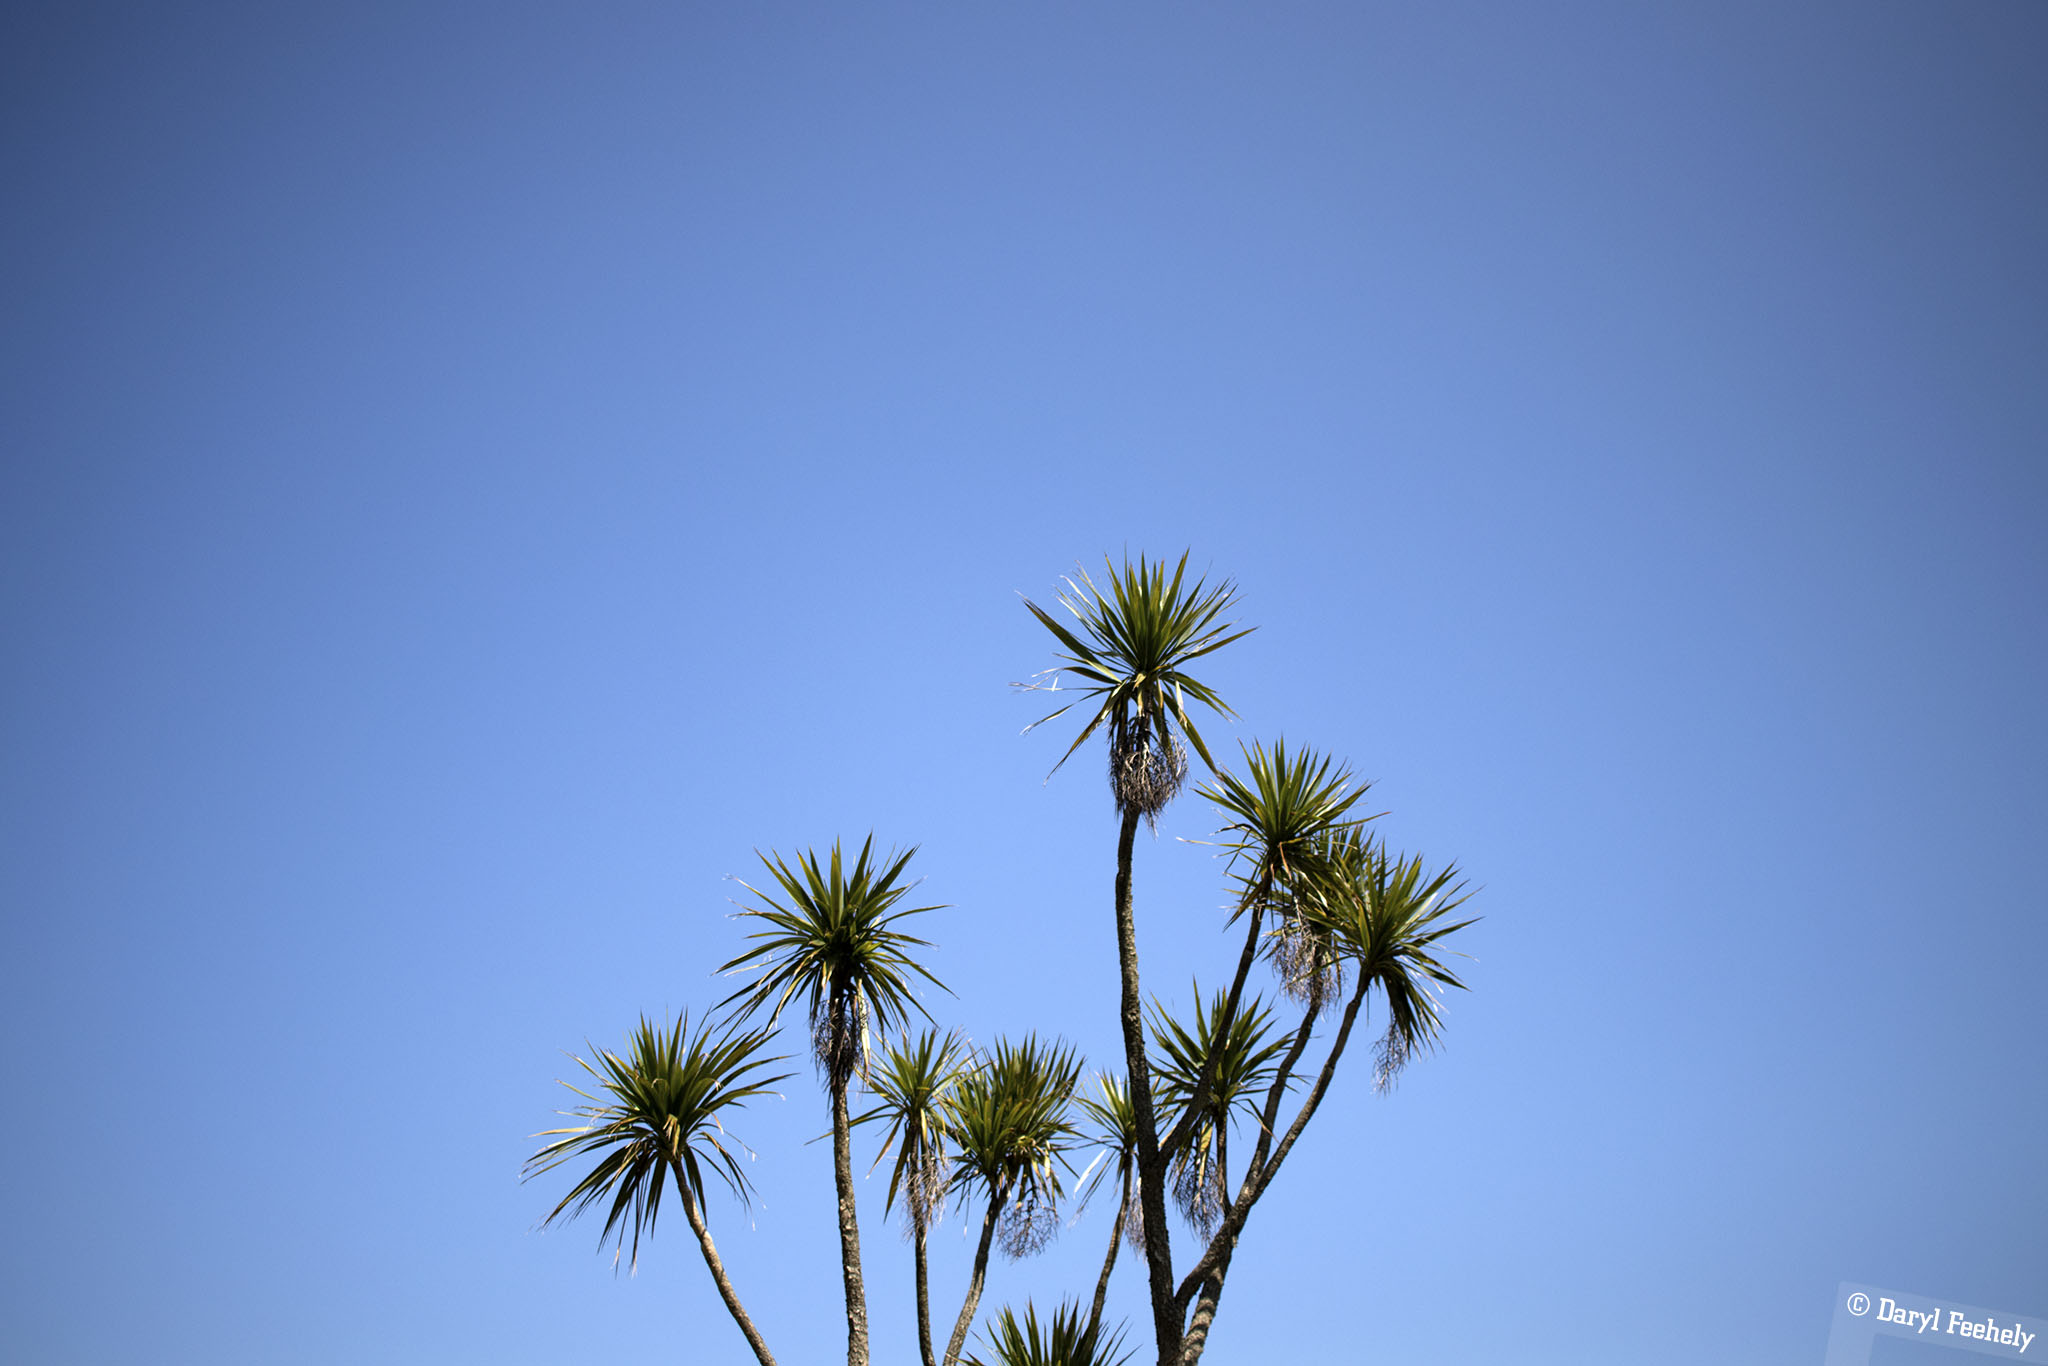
column 988, row 1229
column 1205, row 1311
column 849, row 1226
column 1116, row 1233
column 1151, row 1171
column 1197, row 1336
column 725, row 1290
column 924, row 1295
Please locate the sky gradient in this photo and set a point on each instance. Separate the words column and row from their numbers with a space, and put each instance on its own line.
column 474, row 475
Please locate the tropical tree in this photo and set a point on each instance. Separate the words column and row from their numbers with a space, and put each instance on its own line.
column 1387, row 918
column 1196, row 1119
column 1278, row 822
column 1129, row 646
column 658, row 1116
column 910, row 1086
column 1067, row 1340
column 1389, row 923
column 1007, row 1119
column 1300, row 866
column 829, row 937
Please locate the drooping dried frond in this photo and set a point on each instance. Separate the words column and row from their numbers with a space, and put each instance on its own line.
column 1306, row 959
column 1129, row 647
column 1393, row 1050
column 923, row 1183
column 839, row 1038
column 1198, row 1186
column 1146, row 770
column 657, row 1115
column 1134, row 1227
column 1028, row 1224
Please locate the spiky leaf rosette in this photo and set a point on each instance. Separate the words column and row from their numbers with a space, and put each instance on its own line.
column 1070, row 1338
column 830, row 938
column 1389, row 919
column 1278, row 819
column 1130, row 645
column 658, row 1113
column 1238, row 1051
column 1008, row 1120
column 910, row 1085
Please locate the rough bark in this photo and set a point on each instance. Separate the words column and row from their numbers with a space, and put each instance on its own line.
column 849, row 1226
column 718, row 1276
column 1197, row 1337
column 1166, row 1316
column 924, row 1297
column 966, row 1320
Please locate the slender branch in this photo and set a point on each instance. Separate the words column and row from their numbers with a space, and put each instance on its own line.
column 1270, row 1168
column 1223, row 1157
column 988, row 1229
column 1116, row 1233
column 924, row 1295
column 1269, row 1113
column 1260, row 1170
column 718, row 1276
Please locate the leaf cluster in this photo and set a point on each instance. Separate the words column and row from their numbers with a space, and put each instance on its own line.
column 657, row 1114
column 1009, row 1121
column 1130, row 646
column 1387, row 915
column 1238, row 1050
column 1070, row 1338
column 1279, row 818
column 830, row 939
column 912, row 1084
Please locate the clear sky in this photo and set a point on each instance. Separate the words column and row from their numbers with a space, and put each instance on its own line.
column 473, row 474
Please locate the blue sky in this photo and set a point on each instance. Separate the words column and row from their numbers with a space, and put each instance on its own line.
column 474, row 475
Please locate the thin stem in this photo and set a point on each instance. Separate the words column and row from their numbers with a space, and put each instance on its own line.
column 988, row 1229
column 924, row 1293
column 1260, row 1171
column 1116, row 1233
column 718, row 1276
